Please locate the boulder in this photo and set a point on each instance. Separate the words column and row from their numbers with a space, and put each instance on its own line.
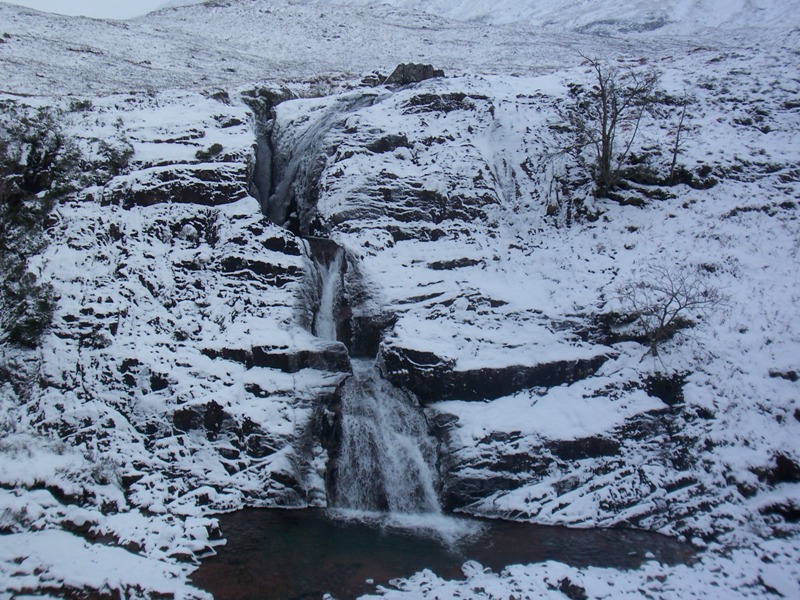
column 407, row 73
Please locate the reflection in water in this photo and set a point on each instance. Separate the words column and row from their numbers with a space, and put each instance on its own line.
column 294, row 554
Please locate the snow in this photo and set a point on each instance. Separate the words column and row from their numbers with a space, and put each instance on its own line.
column 682, row 17
column 562, row 413
column 96, row 453
column 44, row 558
column 188, row 49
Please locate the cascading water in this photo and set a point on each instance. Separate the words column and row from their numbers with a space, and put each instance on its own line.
column 386, row 459
column 330, row 288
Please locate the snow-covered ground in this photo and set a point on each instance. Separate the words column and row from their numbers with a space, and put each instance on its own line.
column 188, row 47
column 609, row 17
column 178, row 380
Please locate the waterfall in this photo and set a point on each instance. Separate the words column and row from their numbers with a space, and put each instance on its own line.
column 330, row 288
column 382, row 457
column 386, row 459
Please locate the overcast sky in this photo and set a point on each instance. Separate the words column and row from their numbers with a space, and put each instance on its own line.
column 104, row 9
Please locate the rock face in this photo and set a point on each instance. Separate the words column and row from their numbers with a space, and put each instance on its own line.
column 432, row 378
column 461, row 316
column 178, row 301
column 407, row 73
column 203, row 185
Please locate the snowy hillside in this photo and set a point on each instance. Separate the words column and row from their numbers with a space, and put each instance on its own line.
column 193, row 47
column 226, row 150
column 676, row 17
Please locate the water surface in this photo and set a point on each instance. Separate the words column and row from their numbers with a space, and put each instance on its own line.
column 298, row 554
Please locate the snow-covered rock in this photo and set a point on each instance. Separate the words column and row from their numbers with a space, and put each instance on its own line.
column 180, row 378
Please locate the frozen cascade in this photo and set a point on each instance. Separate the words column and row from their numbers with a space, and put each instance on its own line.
column 295, row 165
column 330, row 274
column 386, row 459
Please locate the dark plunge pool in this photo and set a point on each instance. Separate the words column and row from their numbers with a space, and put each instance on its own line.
column 291, row 554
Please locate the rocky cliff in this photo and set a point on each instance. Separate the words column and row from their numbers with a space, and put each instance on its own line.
column 180, row 376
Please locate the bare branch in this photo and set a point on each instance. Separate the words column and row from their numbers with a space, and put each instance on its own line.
column 665, row 300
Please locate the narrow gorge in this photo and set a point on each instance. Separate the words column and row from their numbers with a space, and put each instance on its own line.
column 381, row 457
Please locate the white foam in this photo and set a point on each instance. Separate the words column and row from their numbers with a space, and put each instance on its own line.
column 449, row 530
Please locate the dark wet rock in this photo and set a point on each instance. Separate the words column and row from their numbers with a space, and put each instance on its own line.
column 129, row 369
column 666, row 387
column 444, row 103
column 205, row 185
column 213, row 417
column 374, row 79
column 328, row 357
column 128, row 479
column 239, row 355
column 415, row 232
column 322, row 250
column 784, row 470
column 332, row 357
column 789, row 510
column 200, row 416
column 460, row 492
column 158, row 382
column 388, row 143
column 233, row 437
column 363, row 333
column 788, row 375
column 406, row 73
column 449, row 265
column 591, row 447
column 432, row 378
column 571, row 590
column 262, row 100
column 275, row 274
column 284, row 245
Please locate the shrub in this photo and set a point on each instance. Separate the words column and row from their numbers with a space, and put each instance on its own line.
column 605, row 118
column 30, row 311
column 37, row 163
column 210, row 225
column 117, row 153
column 212, row 151
column 664, row 300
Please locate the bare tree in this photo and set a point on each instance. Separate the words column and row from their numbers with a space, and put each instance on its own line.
column 680, row 137
column 607, row 116
column 665, row 300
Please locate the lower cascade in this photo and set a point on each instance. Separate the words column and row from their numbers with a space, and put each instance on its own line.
column 386, row 459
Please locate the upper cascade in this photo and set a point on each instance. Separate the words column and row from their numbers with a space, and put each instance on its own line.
column 326, row 317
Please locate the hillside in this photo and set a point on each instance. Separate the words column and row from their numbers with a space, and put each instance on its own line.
column 224, row 154
column 678, row 17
